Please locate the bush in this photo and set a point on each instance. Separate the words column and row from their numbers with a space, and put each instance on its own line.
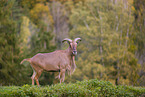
column 93, row 88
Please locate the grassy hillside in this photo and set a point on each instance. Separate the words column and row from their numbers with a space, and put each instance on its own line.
column 92, row 88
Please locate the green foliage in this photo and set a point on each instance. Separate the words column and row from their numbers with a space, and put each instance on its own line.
column 138, row 38
column 9, row 48
column 105, row 31
column 93, row 88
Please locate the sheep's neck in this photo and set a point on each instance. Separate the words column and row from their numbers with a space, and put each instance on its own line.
column 69, row 52
column 72, row 59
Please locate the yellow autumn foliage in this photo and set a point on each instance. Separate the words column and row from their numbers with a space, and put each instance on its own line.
column 24, row 32
column 31, row 3
column 39, row 12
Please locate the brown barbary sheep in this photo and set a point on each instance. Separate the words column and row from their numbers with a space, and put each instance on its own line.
column 57, row 61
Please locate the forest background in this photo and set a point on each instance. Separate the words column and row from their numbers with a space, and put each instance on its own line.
column 112, row 32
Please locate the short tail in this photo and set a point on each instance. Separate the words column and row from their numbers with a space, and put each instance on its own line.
column 28, row 59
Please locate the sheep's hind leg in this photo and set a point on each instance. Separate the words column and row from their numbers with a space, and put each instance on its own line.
column 33, row 76
column 37, row 76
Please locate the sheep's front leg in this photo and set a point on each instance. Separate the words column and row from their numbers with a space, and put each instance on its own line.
column 69, row 70
column 62, row 75
column 58, row 76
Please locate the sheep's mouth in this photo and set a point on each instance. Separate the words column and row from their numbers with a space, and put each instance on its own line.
column 74, row 53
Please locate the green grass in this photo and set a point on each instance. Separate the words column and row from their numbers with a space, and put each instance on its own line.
column 87, row 88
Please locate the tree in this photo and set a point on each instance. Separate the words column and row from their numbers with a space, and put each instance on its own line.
column 105, row 32
column 138, row 38
column 61, row 25
column 9, row 49
column 41, row 39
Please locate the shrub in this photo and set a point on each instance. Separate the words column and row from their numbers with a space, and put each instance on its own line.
column 86, row 88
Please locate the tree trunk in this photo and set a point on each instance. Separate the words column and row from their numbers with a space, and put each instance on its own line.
column 101, row 48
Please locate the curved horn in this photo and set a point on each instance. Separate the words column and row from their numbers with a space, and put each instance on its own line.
column 77, row 39
column 67, row 39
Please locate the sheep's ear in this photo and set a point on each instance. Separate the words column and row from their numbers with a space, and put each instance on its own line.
column 67, row 39
column 68, row 42
column 77, row 40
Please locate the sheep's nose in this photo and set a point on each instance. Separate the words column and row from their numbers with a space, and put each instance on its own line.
column 74, row 52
